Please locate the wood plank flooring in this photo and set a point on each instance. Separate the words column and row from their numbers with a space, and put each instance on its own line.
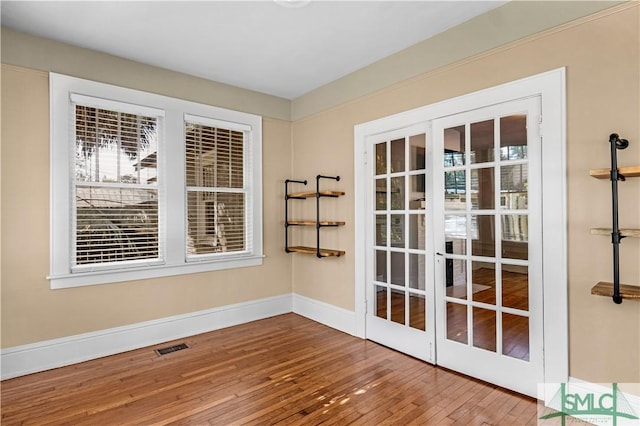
column 284, row 370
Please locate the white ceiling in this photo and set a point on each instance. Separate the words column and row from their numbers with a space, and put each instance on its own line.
column 266, row 46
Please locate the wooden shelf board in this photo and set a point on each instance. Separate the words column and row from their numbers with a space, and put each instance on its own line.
column 626, row 291
column 312, row 250
column 313, row 223
column 625, row 232
column 311, row 194
column 632, row 171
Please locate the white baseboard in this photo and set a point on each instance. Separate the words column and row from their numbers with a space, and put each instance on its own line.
column 324, row 313
column 26, row 359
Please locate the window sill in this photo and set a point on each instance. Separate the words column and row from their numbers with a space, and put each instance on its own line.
column 82, row 279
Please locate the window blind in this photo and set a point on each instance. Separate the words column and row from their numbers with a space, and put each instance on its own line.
column 217, row 194
column 116, row 187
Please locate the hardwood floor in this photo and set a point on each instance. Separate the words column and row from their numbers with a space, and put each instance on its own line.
column 283, row 370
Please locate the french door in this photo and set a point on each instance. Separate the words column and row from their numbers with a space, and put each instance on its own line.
column 399, row 305
column 454, row 243
column 488, row 242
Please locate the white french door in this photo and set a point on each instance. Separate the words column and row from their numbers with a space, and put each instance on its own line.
column 488, row 240
column 450, row 214
column 399, row 302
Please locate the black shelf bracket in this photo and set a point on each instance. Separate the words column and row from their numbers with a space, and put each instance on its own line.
column 318, row 195
column 616, row 144
column 286, row 210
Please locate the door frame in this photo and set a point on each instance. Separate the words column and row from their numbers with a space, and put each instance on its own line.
column 551, row 87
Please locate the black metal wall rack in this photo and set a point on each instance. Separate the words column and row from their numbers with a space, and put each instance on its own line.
column 317, row 223
column 616, row 290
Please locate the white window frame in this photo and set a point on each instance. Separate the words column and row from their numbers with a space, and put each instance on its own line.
column 171, row 183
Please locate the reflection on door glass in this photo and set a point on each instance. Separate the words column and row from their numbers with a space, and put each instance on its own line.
column 514, row 187
column 397, row 156
column 515, row 287
column 417, row 311
column 484, row 329
column 515, row 236
column 417, row 200
column 483, row 277
column 397, row 268
column 417, row 152
column 485, row 244
column 482, row 142
column 397, row 193
column 381, row 230
column 482, row 189
column 456, row 278
column 381, row 301
column 515, row 336
column 416, row 231
column 381, row 194
column 457, row 322
column 513, row 137
column 416, row 271
column 381, row 266
column 455, row 234
column 454, row 146
column 381, row 158
column 397, row 231
column 455, row 190
column 398, row 306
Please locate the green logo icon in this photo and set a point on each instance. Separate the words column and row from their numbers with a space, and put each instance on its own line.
column 605, row 408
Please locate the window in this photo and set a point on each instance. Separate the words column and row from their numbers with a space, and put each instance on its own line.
column 146, row 186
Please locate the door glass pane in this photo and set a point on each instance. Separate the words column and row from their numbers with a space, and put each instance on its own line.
column 397, row 156
column 484, row 244
column 417, row 311
column 455, row 232
column 483, row 278
column 455, row 193
column 381, row 194
column 513, row 186
column 381, row 230
column 482, row 189
column 454, row 146
column 381, row 158
column 397, row 306
column 397, row 268
column 513, row 137
column 515, row 287
column 417, row 199
column 416, row 271
column 515, row 236
column 457, row 322
column 515, row 336
column 482, row 142
column 381, row 266
column 397, row 193
column 417, row 152
column 416, row 231
column 484, row 329
column 381, row 301
column 456, row 278
column 397, row 230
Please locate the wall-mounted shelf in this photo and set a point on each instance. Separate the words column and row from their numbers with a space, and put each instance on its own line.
column 317, row 223
column 626, row 291
column 624, row 232
column 616, row 290
column 633, row 171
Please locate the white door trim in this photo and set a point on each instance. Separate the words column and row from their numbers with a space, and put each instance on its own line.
column 551, row 87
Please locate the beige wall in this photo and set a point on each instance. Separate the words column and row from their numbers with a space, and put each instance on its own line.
column 601, row 54
column 32, row 312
